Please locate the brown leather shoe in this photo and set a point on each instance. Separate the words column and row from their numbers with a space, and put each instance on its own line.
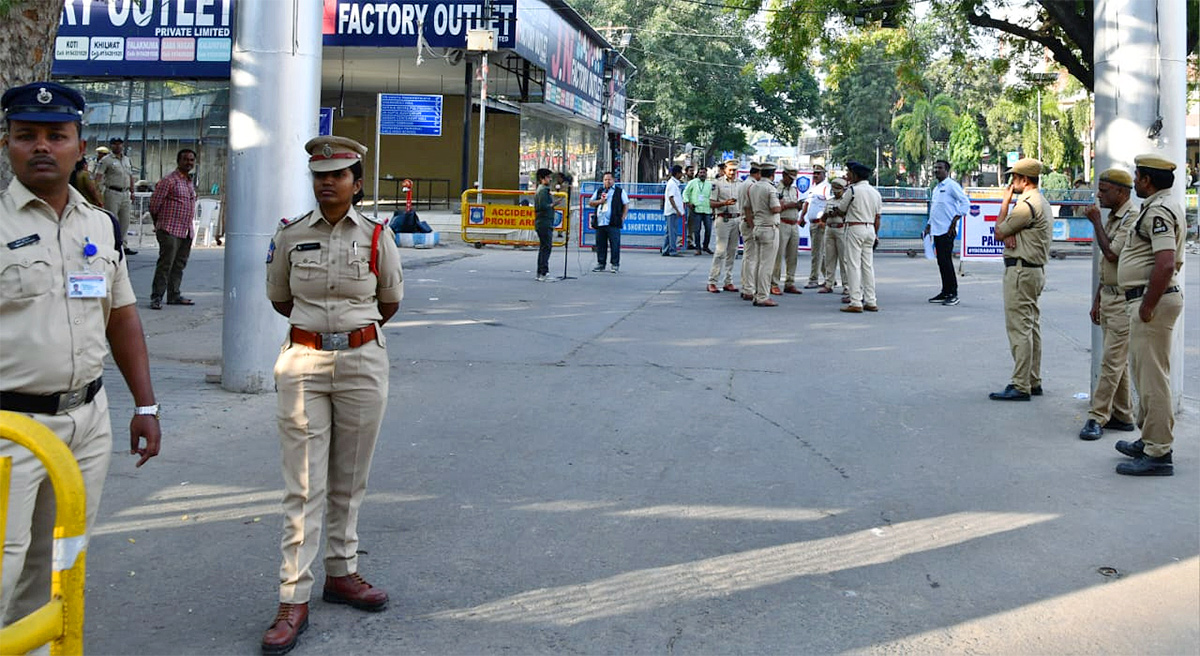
column 730, row 288
column 791, row 289
column 852, row 308
column 713, row 288
column 747, row 297
column 825, row 290
column 766, row 303
column 775, row 291
column 290, row 622
column 354, row 591
column 871, row 308
column 845, row 299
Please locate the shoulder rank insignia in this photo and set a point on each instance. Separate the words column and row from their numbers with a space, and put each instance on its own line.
column 287, row 223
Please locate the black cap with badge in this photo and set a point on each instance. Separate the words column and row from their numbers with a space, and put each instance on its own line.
column 43, row 102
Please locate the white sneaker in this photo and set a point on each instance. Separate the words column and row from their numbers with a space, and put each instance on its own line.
column 541, row 278
column 616, row 269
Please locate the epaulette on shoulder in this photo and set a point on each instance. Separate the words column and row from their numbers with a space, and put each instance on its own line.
column 287, row 223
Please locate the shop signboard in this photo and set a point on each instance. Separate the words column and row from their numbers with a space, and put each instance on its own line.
column 572, row 59
column 128, row 38
column 405, row 23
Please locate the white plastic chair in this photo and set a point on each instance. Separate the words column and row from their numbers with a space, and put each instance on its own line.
column 207, row 212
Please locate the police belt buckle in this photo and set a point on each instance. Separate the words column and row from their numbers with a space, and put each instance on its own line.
column 335, row 341
column 71, row 400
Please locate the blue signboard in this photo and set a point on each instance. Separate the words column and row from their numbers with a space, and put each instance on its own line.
column 637, row 222
column 325, row 122
column 410, row 114
column 128, row 38
column 401, row 23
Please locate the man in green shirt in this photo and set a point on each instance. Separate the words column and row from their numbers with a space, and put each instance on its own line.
column 543, row 224
column 696, row 197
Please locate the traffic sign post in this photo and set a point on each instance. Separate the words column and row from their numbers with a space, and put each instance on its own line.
column 406, row 114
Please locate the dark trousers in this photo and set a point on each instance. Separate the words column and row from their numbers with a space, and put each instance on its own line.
column 545, row 240
column 943, row 245
column 608, row 238
column 173, row 255
column 700, row 223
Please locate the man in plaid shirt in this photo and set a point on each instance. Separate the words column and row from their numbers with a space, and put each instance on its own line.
column 173, row 208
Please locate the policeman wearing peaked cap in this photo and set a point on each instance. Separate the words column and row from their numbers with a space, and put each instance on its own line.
column 1026, row 226
column 1148, row 271
column 335, row 274
column 65, row 302
column 1112, row 402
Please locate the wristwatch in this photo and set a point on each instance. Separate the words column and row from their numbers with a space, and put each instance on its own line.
column 146, row 410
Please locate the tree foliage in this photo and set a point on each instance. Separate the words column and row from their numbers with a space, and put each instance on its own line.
column 862, row 95
column 925, row 121
column 26, row 49
column 702, row 74
column 966, row 146
column 1063, row 27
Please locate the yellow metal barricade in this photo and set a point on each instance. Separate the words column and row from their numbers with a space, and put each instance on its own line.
column 59, row 622
column 486, row 220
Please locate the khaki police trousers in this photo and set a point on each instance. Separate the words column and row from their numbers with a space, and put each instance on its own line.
column 786, row 256
column 119, row 203
column 1022, row 319
column 860, row 264
column 29, row 533
column 766, row 240
column 749, row 258
column 816, row 245
column 725, row 254
column 1150, row 359
column 1112, row 398
column 835, row 258
column 330, row 408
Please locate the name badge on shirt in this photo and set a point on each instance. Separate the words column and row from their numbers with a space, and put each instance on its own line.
column 86, row 284
column 310, row 246
column 23, row 241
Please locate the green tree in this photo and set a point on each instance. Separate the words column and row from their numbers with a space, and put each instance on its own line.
column 917, row 129
column 966, row 146
column 862, row 95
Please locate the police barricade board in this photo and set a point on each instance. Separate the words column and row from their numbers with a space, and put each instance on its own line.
column 644, row 227
column 506, row 217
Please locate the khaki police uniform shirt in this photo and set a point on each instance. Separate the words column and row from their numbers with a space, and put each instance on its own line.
column 790, row 194
column 50, row 343
column 763, row 197
column 1117, row 229
column 113, row 171
column 1158, row 227
column 1029, row 221
column 743, row 197
column 860, row 203
column 723, row 190
column 324, row 269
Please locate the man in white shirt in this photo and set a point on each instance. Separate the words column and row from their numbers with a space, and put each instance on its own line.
column 947, row 206
column 673, row 212
column 813, row 212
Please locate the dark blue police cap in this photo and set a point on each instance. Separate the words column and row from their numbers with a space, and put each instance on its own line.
column 42, row 102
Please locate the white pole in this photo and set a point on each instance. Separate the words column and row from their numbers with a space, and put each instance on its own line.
column 1141, row 75
column 1039, row 115
column 483, row 76
column 275, row 88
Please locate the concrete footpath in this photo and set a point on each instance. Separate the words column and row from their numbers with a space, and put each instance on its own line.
column 628, row 464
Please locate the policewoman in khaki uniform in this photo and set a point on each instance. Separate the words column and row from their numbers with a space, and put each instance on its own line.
column 65, row 300
column 336, row 275
column 1026, row 227
column 834, row 242
column 1149, row 272
column 1112, row 402
column 728, row 214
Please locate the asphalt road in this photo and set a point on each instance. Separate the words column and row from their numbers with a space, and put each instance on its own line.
column 629, row 464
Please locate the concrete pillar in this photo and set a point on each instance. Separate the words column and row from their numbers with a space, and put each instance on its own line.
column 1141, row 76
column 275, row 88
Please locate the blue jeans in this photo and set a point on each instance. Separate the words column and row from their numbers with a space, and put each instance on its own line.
column 671, row 240
column 608, row 238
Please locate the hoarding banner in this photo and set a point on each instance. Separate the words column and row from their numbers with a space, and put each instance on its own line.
column 979, row 241
column 143, row 38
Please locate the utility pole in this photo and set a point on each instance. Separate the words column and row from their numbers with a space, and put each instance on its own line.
column 274, row 98
column 1148, row 65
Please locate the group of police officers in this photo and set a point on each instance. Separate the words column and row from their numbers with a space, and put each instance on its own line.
column 843, row 215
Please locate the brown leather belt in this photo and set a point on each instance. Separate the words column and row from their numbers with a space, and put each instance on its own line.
column 333, row 341
column 861, row 223
column 834, row 225
column 790, row 222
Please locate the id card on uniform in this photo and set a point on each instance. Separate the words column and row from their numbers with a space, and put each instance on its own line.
column 86, row 284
